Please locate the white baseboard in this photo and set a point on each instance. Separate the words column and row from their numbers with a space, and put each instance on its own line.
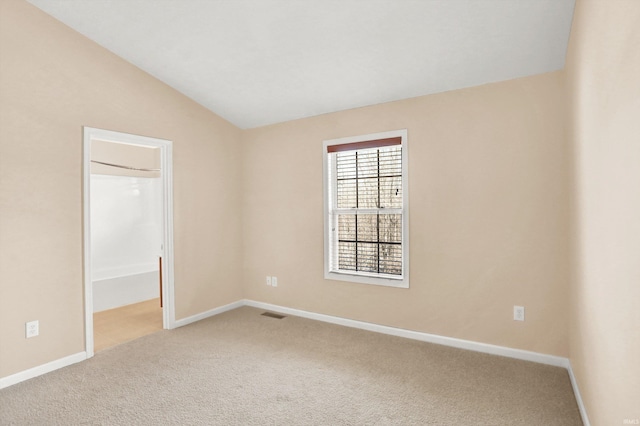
column 207, row 314
column 41, row 369
column 556, row 361
column 576, row 391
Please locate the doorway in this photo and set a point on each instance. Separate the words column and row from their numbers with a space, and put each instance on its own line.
column 145, row 185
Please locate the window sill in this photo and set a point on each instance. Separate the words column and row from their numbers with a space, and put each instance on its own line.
column 361, row 278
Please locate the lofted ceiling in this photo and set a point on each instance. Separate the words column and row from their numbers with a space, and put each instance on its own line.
column 259, row 62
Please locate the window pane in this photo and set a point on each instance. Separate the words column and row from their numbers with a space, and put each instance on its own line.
column 347, row 227
column 369, row 254
column 390, row 228
column 347, row 194
column 346, row 165
column 391, row 259
column 347, row 256
column 368, row 257
column 391, row 161
column 391, row 192
column 370, row 178
column 368, row 163
column 367, row 227
column 368, row 193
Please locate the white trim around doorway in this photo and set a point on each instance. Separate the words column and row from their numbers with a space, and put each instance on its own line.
column 166, row 173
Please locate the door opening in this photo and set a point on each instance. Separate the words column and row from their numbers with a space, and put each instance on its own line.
column 128, row 228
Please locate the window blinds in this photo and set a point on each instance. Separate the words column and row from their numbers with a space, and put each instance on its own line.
column 366, row 210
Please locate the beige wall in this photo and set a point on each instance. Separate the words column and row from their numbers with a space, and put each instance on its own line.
column 139, row 157
column 52, row 82
column 488, row 173
column 492, row 211
column 603, row 68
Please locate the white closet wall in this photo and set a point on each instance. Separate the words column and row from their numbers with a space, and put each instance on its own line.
column 125, row 239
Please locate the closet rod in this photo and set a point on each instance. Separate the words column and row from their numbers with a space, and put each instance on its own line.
column 124, row 167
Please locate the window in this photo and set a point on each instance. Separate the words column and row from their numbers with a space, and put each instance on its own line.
column 366, row 220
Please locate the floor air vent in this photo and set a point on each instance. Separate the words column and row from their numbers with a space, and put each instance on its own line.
column 272, row 315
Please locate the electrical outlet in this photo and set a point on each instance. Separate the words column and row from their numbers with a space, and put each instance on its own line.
column 274, row 281
column 268, row 280
column 32, row 329
column 518, row 313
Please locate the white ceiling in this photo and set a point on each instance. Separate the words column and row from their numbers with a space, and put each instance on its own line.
column 258, row 62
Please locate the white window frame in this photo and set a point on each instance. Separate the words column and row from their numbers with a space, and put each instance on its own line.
column 364, row 277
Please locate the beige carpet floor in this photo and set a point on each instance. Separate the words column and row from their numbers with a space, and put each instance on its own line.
column 241, row 368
